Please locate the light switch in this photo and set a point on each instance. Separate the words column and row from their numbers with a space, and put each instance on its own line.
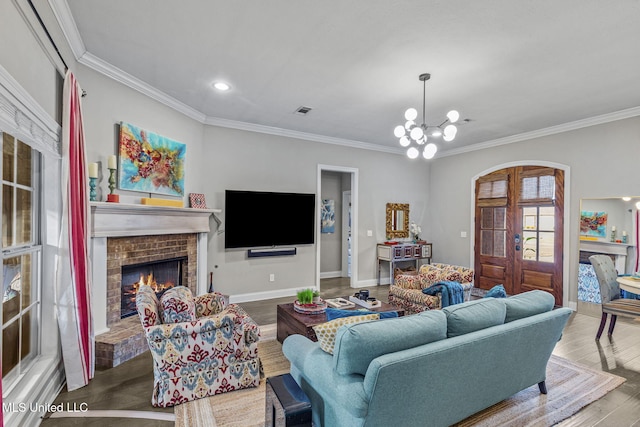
column 463, row 234
column 369, row 233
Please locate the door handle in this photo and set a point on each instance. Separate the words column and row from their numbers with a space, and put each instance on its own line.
column 516, row 238
column 517, row 247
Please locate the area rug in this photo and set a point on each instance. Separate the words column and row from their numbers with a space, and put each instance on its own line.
column 571, row 387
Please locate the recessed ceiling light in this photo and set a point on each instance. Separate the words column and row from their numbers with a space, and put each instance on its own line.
column 222, row 86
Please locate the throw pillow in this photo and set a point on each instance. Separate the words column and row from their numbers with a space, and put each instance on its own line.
column 178, row 305
column 326, row 332
column 496, row 292
column 336, row 313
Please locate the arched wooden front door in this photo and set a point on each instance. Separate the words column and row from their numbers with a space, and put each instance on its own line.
column 519, row 230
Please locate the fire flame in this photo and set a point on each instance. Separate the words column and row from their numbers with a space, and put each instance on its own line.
column 151, row 281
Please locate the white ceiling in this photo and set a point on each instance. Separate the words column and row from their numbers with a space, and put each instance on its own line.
column 512, row 67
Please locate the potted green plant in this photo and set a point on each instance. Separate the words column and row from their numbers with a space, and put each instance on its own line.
column 305, row 296
column 316, row 296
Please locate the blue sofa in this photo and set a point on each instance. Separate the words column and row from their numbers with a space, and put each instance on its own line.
column 433, row 368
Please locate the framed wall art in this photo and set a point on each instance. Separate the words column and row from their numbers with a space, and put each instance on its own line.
column 150, row 163
column 593, row 223
column 328, row 216
column 196, row 200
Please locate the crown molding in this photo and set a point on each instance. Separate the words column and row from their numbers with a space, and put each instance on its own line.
column 214, row 121
column 127, row 79
column 553, row 130
column 68, row 26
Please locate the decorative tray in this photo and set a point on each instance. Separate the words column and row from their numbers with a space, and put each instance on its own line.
column 339, row 303
column 314, row 308
column 367, row 304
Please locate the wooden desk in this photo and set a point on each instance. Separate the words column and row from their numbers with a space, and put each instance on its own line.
column 629, row 284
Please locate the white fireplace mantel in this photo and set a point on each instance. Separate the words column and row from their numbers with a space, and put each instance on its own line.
column 122, row 220
column 618, row 250
column 119, row 219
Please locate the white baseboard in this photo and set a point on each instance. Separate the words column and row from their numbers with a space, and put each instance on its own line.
column 259, row 296
column 370, row 282
column 281, row 293
column 330, row 274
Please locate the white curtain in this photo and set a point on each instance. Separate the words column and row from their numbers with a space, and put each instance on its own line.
column 73, row 285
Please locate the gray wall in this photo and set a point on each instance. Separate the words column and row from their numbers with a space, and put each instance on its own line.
column 603, row 161
column 108, row 103
column 220, row 158
column 247, row 160
column 24, row 59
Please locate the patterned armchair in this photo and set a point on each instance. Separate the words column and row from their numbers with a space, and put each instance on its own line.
column 200, row 346
column 406, row 292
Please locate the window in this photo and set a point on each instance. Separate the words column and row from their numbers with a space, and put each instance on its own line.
column 538, row 237
column 537, row 187
column 493, row 190
column 21, row 257
column 492, row 198
column 493, row 232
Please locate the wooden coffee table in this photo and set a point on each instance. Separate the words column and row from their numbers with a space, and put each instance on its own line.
column 291, row 322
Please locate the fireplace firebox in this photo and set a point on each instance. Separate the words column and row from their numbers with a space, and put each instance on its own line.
column 160, row 275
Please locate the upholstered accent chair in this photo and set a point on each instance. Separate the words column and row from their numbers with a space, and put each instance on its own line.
column 200, row 346
column 407, row 293
column 610, row 294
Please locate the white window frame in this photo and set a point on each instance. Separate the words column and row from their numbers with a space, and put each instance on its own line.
column 34, row 248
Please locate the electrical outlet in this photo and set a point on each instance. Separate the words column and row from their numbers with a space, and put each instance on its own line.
column 272, row 277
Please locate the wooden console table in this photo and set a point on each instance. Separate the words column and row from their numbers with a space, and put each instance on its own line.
column 400, row 253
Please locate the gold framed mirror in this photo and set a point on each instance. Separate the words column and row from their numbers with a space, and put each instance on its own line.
column 397, row 220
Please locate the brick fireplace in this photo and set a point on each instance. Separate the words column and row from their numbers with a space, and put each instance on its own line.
column 130, row 235
column 126, row 251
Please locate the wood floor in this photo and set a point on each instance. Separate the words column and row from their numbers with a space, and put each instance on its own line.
column 129, row 385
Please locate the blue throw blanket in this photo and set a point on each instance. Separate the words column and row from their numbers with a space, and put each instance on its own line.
column 452, row 292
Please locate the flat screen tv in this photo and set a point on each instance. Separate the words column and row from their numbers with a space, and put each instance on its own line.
column 266, row 219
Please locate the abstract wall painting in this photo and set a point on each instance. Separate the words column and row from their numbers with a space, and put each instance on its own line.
column 150, row 163
column 328, row 216
column 593, row 224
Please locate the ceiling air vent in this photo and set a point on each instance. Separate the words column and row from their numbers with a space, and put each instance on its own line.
column 302, row 110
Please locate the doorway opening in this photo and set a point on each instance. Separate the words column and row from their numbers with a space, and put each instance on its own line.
column 336, row 248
